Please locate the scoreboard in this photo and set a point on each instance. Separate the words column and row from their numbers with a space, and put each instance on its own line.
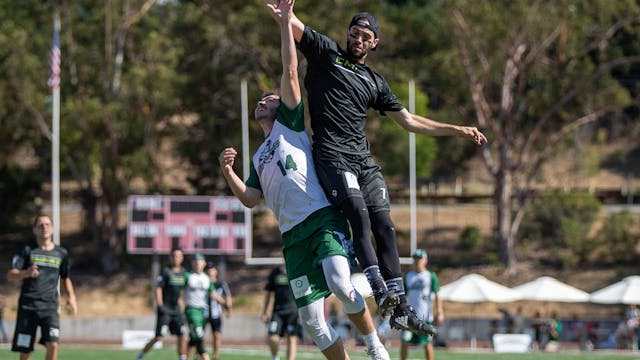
column 210, row 225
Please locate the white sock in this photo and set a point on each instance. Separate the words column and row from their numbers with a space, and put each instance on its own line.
column 275, row 357
column 182, row 357
column 372, row 339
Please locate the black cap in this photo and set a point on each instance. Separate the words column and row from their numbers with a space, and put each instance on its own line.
column 373, row 24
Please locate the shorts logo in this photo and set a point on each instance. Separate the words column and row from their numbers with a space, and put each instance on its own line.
column 352, row 180
column 300, row 286
column 54, row 333
column 24, row 340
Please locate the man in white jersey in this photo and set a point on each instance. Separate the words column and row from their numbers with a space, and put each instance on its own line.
column 422, row 288
column 198, row 288
column 312, row 231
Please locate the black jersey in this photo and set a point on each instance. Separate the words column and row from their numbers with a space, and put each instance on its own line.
column 41, row 293
column 278, row 283
column 172, row 284
column 340, row 92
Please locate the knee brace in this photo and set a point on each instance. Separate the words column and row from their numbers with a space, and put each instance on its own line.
column 314, row 323
column 336, row 272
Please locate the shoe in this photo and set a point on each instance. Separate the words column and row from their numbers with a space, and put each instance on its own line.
column 386, row 302
column 378, row 352
column 407, row 319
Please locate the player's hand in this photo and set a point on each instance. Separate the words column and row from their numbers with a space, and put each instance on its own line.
column 265, row 318
column 32, row 272
column 440, row 319
column 281, row 10
column 160, row 309
column 472, row 133
column 227, row 158
column 72, row 306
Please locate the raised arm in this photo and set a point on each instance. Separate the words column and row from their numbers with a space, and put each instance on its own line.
column 422, row 125
column 289, row 85
column 247, row 195
column 297, row 27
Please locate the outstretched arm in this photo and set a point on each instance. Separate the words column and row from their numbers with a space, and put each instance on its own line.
column 296, row 25
column 422, row 125
column 247, row 195
column 289, row 85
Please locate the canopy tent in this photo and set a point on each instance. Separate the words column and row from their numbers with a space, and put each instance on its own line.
column 625, row 291
column 546, row 288
column 475, row 288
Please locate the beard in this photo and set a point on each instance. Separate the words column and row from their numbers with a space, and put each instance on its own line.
column 355, row 53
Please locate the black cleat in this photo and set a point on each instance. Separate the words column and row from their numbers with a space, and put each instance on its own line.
column 407, row 319
column 386, row 302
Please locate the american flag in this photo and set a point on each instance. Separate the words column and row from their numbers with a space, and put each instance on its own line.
column 54, row 61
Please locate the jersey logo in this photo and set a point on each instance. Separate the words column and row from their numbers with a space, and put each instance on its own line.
column 267, row 154
column 46, row 261
column 346, row 63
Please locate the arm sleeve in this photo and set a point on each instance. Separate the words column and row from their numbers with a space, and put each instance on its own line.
column 253, row 180
column 291, row 118
column 435, row 284
column 65, row 266
column 313, row 44
column 226, row 291
column 386, row 100
column 20, row 260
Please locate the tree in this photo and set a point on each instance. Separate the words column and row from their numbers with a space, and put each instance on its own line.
column 536, row 72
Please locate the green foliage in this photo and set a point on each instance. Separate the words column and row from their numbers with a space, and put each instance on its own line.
column 18, row 190
column 620, row 237
column 561, row 221
column 394, row 155
column 470, row 238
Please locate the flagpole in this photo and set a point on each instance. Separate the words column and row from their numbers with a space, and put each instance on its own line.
column 55, row 136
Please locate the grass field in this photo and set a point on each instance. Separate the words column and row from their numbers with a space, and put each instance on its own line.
column 242, row 353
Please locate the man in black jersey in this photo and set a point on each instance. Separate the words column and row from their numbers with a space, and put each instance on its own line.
column 39, row 266
column 341, row 88
column 215, row 309
column 169, row 286
column 284, row 314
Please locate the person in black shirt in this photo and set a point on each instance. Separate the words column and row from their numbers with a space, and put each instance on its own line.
column 284, row 314
column 39, row 266
column 341, row 88
column 169, row 287
column 215, row 309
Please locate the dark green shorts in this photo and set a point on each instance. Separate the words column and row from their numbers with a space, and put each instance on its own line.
column 306, row 245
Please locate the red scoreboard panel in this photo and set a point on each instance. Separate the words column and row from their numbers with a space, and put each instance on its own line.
column 206, row 224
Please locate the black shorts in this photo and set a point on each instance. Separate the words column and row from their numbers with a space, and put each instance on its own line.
column 216, row 324
column 175, row 321
column 343, row 176
column 282, row 324
column 27, row 323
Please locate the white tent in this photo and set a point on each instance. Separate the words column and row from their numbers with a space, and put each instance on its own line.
column 475, row 288
column 546, row 288
column 625, row 291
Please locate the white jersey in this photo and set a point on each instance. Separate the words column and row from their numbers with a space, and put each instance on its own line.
column 282, row 169
column 420, row 288
column 197, row 290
